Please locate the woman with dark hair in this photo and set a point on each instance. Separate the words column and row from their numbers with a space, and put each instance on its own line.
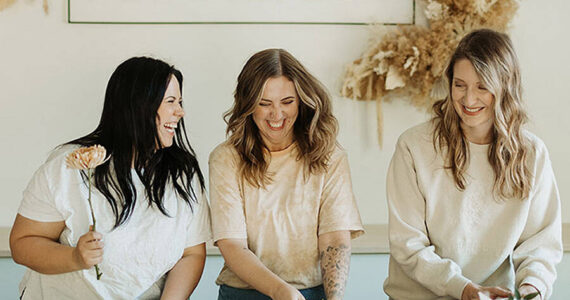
column 473, row 202
column 152, row 217
column 280, row 188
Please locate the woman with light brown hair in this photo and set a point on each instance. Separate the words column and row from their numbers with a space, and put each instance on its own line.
column 473, row 202
column 281, row 196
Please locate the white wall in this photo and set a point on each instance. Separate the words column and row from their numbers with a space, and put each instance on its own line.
column 53, row 76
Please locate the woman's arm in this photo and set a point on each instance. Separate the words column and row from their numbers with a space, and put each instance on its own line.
column 35, row 245
column 539, row 248
column 184, row 277
column 334, row 249
column 410, row 245
column 250, row 269
column 528, row 289
column 473, row 290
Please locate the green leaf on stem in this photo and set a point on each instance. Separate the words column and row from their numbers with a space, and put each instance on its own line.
column 530, row 296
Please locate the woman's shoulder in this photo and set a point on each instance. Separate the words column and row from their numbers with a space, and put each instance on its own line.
column 421, row 133
column 56, row 158
column 338, row 152
column 537, row 147
column 223, row 151
column 54, row 168
column 60, row 152
column 534, row 141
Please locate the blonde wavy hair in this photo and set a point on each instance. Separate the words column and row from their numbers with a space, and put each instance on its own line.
column 494, row 59
column 315, row 128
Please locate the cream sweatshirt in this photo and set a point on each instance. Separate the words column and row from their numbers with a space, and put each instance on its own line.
column 442, row 238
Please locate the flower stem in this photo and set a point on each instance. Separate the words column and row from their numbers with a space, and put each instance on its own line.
column 89, row 175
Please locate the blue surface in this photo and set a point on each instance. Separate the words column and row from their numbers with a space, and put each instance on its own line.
column 10, row 276
column 367, row 273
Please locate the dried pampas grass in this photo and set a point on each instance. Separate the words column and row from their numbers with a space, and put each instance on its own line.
column 409, row 61
column 6, row 3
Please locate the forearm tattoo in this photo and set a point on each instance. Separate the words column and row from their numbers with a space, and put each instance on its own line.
column 335, row 262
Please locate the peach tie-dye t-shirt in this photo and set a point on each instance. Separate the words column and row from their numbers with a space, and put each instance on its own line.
column 282, row 221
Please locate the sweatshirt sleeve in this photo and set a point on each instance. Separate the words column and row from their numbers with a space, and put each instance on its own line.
column 410, row 245
column 539, row 248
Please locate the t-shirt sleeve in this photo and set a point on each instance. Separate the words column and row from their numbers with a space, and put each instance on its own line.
column 338, row 209
column 199, row 227
column 226, row 205
column 39, row 203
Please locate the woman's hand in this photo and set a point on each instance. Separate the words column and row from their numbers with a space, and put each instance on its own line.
column 527, row 289
column 89, row 250
column 250, row 269
column 472, row 290
column 287, row 292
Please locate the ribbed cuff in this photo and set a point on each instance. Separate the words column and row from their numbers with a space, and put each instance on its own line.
column 456, row 285
column 537, row 283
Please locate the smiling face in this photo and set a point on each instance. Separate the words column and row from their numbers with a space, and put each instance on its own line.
column 276, row 113
column 473, row 102
column 169, row 113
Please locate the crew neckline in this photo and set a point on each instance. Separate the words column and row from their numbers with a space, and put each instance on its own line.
column 478, row 147
column 283, row 151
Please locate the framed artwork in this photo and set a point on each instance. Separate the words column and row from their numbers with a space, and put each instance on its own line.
column 341, row 12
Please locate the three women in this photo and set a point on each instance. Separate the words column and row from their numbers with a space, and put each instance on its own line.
column 473, row 203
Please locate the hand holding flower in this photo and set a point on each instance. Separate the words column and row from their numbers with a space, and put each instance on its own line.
column 88, row 158
column 89, row 250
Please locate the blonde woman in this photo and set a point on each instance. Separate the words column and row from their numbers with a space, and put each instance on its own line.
column 281, row 195
column 473, row 203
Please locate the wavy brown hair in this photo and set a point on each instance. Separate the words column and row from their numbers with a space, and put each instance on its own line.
column 494, row 59
column 315, row 128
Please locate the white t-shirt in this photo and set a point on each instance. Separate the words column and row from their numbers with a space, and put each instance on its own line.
column 282, row 221
column 136, row 254
column 442, row 238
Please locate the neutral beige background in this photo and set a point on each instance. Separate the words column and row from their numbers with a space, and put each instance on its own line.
column 53, row 76
column 361, row 11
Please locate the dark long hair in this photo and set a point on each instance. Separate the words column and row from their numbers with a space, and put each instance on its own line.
column 128, row 131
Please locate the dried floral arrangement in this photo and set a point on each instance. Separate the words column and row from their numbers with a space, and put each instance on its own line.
column 6, row 3
column 409, row 60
